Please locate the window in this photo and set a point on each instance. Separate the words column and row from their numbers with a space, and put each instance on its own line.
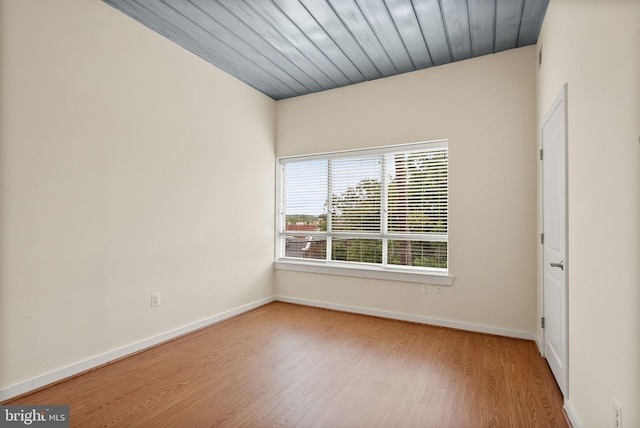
column 381, row 209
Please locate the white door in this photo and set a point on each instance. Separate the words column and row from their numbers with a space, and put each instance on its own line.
column 554, row 246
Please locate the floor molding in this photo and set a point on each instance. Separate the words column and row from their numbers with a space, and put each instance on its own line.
column 413, row 318
column 116, row 354
column 571, row 413
column 539, row 345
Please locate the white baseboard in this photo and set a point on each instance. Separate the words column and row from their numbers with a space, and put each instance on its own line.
column 571, row 414
column 539, row 345
column 90, row 363
column 413, row 318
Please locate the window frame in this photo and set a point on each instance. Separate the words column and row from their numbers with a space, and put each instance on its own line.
column 439, row 276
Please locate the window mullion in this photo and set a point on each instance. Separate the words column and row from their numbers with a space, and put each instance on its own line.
column 282, row 220
column 329, row 208
column 384, row 211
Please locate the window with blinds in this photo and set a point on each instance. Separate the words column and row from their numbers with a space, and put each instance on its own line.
column 384, row 207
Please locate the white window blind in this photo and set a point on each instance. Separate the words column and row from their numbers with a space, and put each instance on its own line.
column 383, row 207
column 356, row 193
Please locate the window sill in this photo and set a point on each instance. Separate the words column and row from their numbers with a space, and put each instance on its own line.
column 373, row 272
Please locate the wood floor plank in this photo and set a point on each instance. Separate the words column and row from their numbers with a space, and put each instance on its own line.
column 287, row 365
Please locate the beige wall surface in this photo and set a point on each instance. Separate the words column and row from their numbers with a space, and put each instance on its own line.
column 118, row 149
column 486, row 108
column 594, row 47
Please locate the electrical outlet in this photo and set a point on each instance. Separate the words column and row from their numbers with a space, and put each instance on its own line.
column 617, row 414
column 438, row 289
column 425, row 288
column 155, row 299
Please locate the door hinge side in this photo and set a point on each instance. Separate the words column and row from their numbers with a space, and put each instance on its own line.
column 541, row 154
column 542, row 322
column 542, row 238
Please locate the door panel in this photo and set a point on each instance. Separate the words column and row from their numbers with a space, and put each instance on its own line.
column 554, row 247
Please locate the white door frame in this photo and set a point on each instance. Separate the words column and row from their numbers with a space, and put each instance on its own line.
column 559, row 102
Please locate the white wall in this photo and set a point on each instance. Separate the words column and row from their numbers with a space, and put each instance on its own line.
column 486, row 108
column 117, row 150
column 594, row 47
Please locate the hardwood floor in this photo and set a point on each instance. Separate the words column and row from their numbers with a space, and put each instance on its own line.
column 295, row 366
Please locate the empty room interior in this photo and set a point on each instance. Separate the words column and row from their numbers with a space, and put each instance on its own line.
column 165, row 259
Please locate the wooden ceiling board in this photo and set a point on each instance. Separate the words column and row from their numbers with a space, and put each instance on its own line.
column 377, row 15
column 482, row 24
column 336, row 29
column 275, row 41
column 531, row 24
column 407, row 24
column 431, row 22
column 230, row 30
column 303, row 19
column 298, row 40
column 350, row 14
column 287, row 48
column 508, row 13
column 456, row 21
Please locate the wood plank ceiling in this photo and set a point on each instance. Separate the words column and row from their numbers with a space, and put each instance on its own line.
column 287, row 48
